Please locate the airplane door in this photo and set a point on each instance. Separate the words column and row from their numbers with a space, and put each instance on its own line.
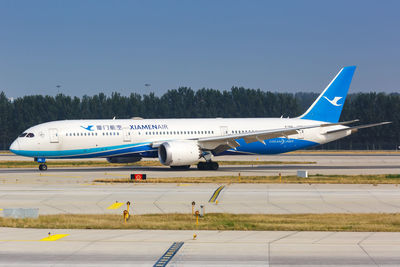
column 53, row 135
column 224, row 130
column 127, row 135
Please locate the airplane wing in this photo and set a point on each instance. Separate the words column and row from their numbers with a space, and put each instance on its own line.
column 218, row 144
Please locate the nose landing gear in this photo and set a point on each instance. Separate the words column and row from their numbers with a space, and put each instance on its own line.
column 43, row 167
column 42, row 161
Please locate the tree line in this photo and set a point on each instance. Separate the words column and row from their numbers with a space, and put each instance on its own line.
column 24, row 112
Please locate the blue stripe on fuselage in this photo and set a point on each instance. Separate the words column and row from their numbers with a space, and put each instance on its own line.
column 271, row 146
column 87, row 153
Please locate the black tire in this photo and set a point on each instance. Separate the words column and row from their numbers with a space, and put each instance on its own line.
column 43, row 167
column 214, row 166
column 210, row 165
column 201, row 165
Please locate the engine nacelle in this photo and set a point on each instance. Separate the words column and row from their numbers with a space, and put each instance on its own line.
column 179, row 153
column 123, row 159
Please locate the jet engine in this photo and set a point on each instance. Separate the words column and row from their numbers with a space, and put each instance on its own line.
column 123, row 159
column 179, row 153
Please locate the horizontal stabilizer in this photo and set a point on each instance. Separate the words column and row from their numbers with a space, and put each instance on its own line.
column 339, row 123
column 356, row 128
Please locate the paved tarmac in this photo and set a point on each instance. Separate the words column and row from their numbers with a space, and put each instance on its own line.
column 211, row 248
column 325, row 164
column 70, row 190
column 234, row 198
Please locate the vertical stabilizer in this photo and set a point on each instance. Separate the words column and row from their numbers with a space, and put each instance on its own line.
column 329, row 104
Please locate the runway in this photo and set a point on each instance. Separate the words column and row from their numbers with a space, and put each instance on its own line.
column 234, row 198
column 211, row 248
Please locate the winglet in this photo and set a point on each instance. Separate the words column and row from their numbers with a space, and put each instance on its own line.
column 329, row 104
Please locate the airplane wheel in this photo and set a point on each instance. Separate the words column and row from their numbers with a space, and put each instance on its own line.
column 201, row 165
column 214, row 166
column 210, row 165
column 43, row 167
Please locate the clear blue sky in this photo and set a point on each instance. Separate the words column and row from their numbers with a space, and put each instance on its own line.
column 104, row 46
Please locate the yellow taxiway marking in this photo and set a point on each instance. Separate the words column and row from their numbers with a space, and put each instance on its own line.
column 115, row 206
column 53, row 237
column 216, row 193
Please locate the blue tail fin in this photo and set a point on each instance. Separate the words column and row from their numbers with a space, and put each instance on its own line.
column 329, row 104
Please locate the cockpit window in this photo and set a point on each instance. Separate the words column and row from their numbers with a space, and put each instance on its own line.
column 30, row 135
column 22, row 135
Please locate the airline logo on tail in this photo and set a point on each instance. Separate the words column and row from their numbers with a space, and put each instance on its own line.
column 334, row 101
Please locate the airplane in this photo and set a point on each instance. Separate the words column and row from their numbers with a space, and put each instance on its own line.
column 179, row 143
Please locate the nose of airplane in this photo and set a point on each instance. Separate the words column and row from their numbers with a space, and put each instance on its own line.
column 14, row 146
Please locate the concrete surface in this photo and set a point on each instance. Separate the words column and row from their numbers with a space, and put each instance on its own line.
column 69, row 190
column 211, row 248
column 325, row 164
column 234, row 198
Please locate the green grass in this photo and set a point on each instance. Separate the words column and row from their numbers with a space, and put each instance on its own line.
column 312, row 179
column 382, row 222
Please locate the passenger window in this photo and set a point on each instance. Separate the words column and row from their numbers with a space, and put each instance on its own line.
column 30, row 135
column 22, row 135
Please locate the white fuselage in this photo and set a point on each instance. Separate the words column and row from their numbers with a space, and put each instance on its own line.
column 108, row 138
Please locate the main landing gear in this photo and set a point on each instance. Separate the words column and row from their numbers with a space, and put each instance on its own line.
column 43, row 167
column 208, row 165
